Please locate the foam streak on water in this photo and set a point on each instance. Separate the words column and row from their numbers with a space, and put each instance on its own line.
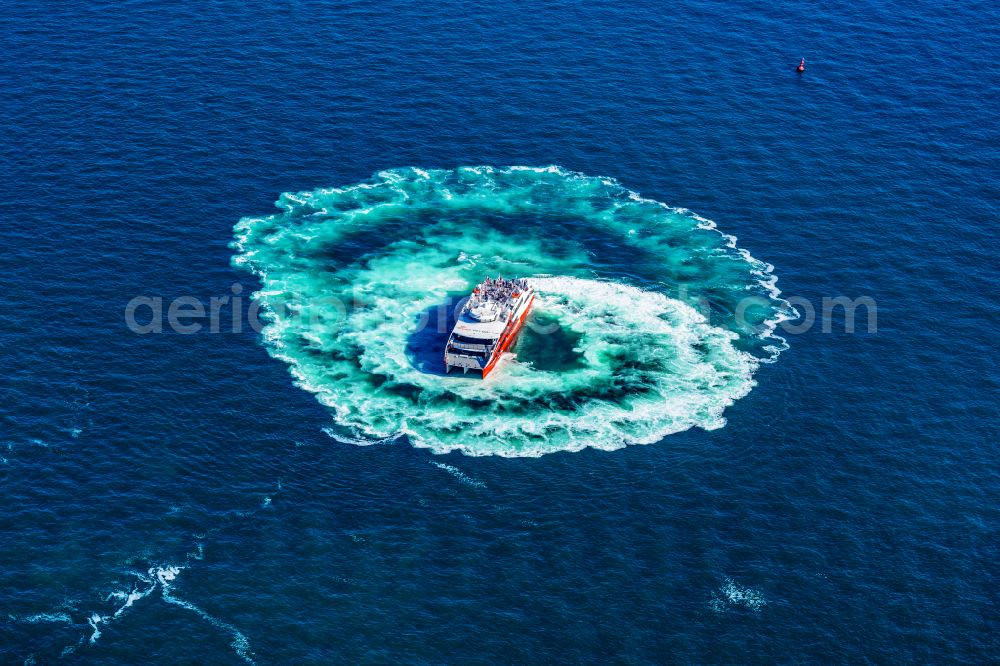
column 733, row 595
column 460, row 475
column 357, row 281
column 162, row 578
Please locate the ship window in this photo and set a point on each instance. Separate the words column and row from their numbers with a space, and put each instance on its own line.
column 467, row 352
column 472, row 341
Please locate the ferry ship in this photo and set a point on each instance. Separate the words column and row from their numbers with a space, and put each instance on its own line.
column 488, row 324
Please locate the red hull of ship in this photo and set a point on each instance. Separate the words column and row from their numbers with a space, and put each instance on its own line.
column 508, row 338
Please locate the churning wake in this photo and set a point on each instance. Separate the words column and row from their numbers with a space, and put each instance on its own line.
column 648, row 321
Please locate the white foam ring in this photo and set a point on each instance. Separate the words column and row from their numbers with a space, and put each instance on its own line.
column 650, row 365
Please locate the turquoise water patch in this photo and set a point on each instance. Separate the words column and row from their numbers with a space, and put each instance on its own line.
column 635, row 333
column 547, row 345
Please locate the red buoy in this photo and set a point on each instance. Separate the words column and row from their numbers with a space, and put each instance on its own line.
column 802, row 66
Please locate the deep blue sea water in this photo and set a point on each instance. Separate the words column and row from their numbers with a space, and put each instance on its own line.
column 175, row 498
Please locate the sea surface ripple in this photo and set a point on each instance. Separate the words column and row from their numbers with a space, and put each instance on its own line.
column 177, row 498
